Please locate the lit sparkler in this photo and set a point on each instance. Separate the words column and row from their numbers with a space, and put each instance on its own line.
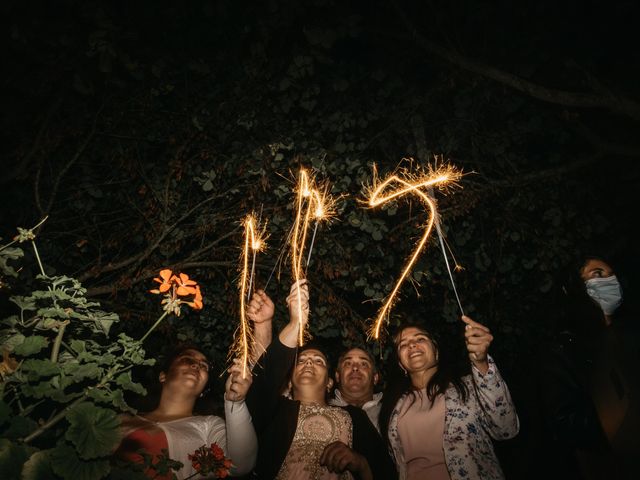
column 312, row 202
column 254, row 242
column 394, row 186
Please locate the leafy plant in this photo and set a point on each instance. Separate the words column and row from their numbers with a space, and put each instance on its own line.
column 63, row 376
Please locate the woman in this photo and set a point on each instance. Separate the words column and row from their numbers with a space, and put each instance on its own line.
column 439, row 424
column 173, row 427
column 302, row 437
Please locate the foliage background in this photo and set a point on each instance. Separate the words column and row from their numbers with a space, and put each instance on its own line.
column 146, row 130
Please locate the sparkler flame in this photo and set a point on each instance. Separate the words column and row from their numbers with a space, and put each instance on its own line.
column 254, row 242
column 312, row 202
column 394, row 186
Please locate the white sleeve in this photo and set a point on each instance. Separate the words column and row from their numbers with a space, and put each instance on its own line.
column 241, row 441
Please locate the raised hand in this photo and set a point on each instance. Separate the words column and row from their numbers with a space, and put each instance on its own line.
column 236, row 387
column 299, row 293
column 478, row 338
column 260, row 308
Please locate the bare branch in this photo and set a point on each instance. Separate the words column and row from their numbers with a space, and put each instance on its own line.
column 614, row 103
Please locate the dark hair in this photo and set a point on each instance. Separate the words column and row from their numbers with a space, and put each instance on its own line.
column 399, row 384
column 319, row 346
column 313, row 345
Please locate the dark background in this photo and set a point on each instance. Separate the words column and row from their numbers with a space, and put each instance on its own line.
column 146, row 130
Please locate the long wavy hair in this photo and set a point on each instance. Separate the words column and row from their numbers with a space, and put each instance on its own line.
column 399, row 384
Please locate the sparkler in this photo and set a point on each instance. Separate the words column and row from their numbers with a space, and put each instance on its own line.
column 311, row 202
column 254, row 241
column 403, row 183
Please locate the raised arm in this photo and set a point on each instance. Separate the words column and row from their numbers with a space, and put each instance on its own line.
column 260, row 311
column 270, row 374
column 498, row 412
column 298, row 303
column 242, row 443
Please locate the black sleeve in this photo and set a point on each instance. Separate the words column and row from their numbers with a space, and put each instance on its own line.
column 269, row 377
column 368, row 442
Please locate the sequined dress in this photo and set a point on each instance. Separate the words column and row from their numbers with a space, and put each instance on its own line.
column 318, row 426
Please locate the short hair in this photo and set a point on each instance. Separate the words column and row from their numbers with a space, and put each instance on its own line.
column 358, row 347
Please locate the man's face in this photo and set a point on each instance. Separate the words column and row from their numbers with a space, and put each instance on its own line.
column 355, row 374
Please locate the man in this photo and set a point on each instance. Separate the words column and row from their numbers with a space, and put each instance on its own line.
column 356, row 377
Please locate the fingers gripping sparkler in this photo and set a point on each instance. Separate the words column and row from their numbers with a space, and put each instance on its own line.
column 393, row 187
column 254, row 241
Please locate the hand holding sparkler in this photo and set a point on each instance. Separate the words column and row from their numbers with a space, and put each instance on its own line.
column 237, row 386
column 298, row 303
column 478, row 338
column 260, row 311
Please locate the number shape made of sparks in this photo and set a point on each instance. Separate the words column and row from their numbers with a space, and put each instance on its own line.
column 316, row 206
column 253, row 243
column 393, row 187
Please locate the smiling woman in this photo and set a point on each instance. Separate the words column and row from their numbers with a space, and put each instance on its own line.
column 302, row 437
column 173, row 427
column 438, row 424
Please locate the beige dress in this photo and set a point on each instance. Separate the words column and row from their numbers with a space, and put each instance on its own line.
column 318, row 426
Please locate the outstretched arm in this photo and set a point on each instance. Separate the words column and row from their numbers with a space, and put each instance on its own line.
column 260, row 311
column 498, row 412
column 242, row 443
column 298, row 302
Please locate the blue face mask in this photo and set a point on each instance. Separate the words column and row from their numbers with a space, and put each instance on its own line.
column 606, row 292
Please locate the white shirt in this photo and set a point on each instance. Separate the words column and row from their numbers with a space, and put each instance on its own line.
column 371, row 408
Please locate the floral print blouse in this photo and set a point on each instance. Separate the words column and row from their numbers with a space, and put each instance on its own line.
column 469, row 426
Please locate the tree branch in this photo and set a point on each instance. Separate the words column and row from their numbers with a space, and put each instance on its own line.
column 614, row 103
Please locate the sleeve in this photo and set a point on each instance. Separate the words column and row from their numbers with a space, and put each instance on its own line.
column 241, row 441
column 269, row 377
column 368, row 442
column 498, row 414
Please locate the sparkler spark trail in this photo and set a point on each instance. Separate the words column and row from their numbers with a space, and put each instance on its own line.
column 254, row 241
column 311, row 202
column 394, row 186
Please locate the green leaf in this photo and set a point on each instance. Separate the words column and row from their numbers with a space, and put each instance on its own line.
column 13, row 341
column 93, row 430
column 38, row 467
column 31, row 345
column 19, row 427
column 126, row 382
column 65, row 462
column 5, row 411
column 12, row 457
column 36, row 368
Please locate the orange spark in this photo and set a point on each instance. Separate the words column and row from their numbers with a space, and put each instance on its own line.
column 311, row 202
column 394, row 186
column 254, row 241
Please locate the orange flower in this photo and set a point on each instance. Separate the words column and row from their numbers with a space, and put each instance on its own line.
column 197, row 299
column 185, row 286
column 164, row 281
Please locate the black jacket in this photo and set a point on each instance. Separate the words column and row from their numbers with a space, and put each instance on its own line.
column 275, row 419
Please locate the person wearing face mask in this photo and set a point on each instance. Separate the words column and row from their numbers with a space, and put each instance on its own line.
column 613, row 383
column 587, row 384
column 602, row 286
